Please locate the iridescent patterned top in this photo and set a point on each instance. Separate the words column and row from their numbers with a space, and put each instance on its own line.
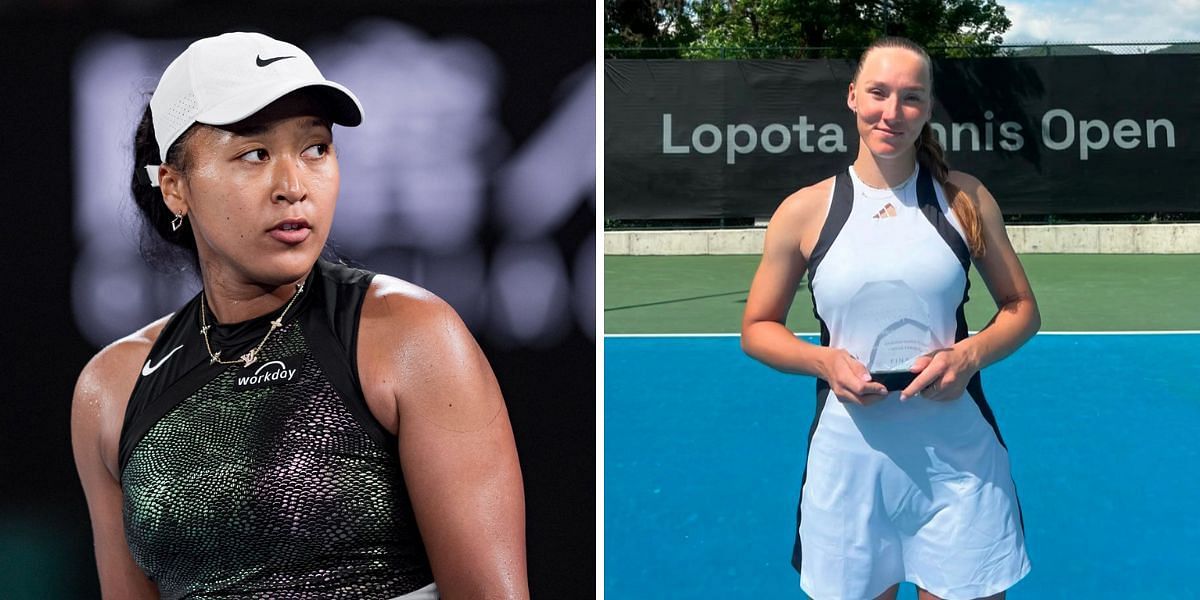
column 273, row 480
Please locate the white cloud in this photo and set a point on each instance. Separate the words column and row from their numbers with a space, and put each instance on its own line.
column 1073, row 21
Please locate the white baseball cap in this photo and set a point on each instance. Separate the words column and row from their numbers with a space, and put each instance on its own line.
column 223, row 79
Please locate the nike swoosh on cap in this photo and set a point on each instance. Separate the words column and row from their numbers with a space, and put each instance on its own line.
column 147, row 369
column 262, row 62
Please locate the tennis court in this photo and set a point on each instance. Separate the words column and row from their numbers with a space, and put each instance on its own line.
column 704, row 447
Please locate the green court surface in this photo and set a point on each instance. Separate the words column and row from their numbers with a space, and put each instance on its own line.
column 1075, row 292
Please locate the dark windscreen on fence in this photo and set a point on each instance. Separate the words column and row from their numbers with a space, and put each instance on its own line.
column 1060, row 135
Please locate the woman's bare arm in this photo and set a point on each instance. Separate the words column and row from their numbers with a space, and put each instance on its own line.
column 97, row 413
column 1016, row 319
column 456, row 444
column 791, row 235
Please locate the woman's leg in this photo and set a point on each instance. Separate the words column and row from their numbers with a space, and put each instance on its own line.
column 924, row 595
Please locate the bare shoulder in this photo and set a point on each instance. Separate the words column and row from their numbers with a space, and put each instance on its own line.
column 117, row 364
column 975, row 190
column 969, row 184
column 807, row 203
column 399, row 316
column 393, row 303
column 103, row 388
column 415, row 352
column 797, row 221
column 964, row 180
column 117, row 359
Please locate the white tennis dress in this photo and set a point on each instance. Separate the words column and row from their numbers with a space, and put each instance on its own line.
column 916, row 491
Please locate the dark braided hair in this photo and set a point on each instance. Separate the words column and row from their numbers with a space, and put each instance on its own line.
column 931, row 154
column 160, row 246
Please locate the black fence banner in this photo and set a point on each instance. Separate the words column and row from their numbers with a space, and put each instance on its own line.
column 691, row 139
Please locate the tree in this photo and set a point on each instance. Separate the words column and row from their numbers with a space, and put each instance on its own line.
column 635, row 24
column 795, row 27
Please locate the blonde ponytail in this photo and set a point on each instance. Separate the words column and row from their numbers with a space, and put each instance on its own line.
column 933, row 157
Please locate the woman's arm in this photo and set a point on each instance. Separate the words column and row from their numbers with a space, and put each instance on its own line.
column 456, row 444
column 1016, row 319
column 97, row 412
column 793, row 230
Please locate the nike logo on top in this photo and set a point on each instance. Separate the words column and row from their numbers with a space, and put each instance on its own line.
column 262, row 62
column 147, row 370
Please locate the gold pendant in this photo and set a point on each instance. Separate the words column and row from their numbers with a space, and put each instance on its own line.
column 249, row 357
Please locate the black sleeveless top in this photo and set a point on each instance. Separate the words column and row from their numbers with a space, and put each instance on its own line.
column 273, row 480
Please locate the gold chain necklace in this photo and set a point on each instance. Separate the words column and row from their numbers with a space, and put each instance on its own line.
column 248, row 358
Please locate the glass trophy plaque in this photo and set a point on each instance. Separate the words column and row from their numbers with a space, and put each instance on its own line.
column 896, row 321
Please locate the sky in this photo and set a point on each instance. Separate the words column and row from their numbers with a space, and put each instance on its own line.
column 1083, row 21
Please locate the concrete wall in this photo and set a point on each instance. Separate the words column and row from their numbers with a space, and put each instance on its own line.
column 1180, row 238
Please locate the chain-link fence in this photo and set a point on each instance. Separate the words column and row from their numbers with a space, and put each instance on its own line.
column 1014, row 50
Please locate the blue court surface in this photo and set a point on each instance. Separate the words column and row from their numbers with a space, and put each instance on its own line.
column 704, row 449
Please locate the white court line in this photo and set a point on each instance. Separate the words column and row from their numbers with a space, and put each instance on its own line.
column 723, row 335
column 679, row 335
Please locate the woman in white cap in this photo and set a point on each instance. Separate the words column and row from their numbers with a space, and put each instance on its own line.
column 299, row 429
column 907, row 477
